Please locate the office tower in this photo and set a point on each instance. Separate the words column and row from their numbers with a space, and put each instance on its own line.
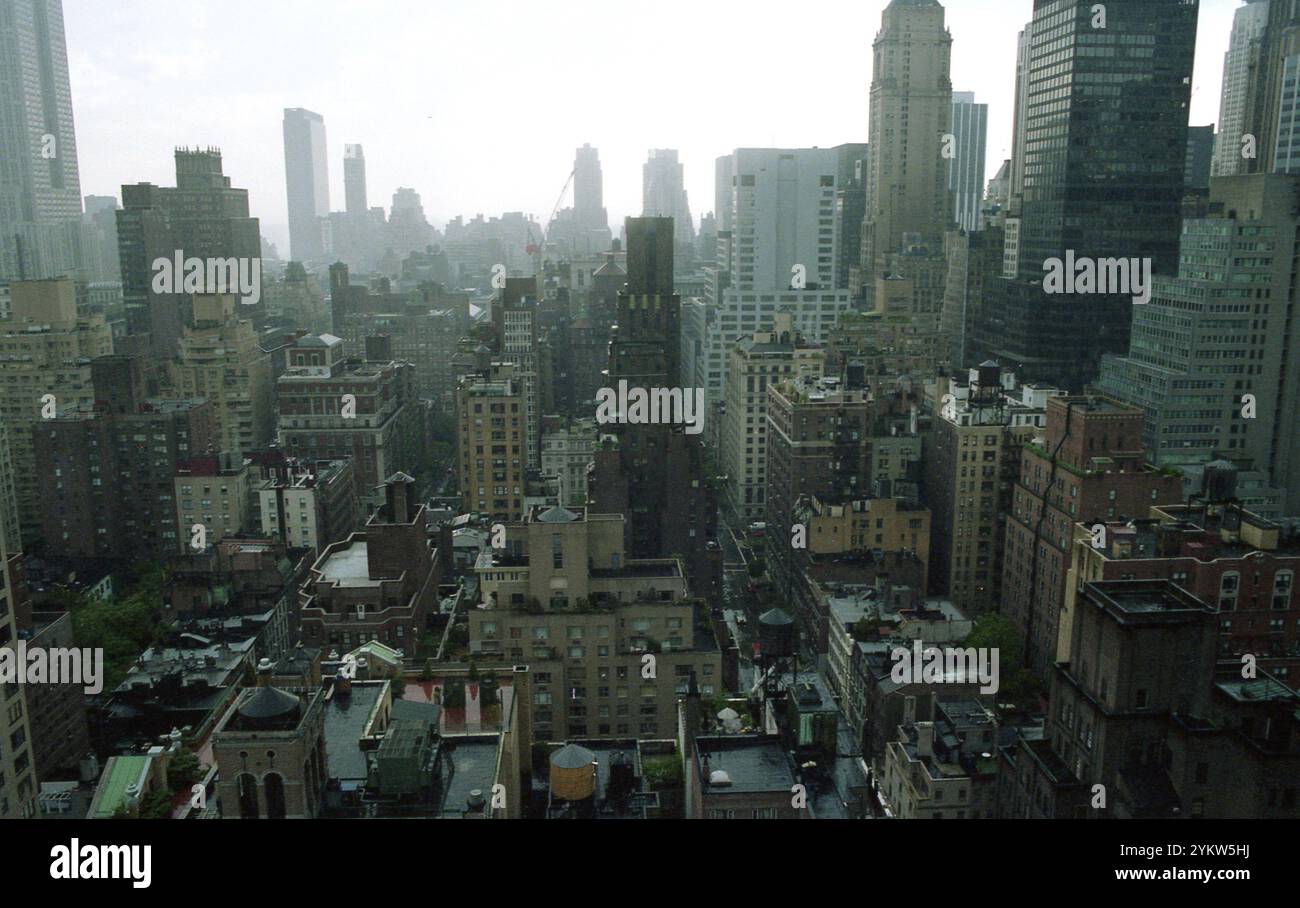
column 270, row 751
column 45, row 349
column 492, row 442
column 970, row 123
column 765, row 358
column 99, row 257
column 583, row 230
column 779, row 256
column 1097, row 187
column 566, row 596
column 379, row 584
column 332, row 407
column 306, row 180
column 1020, row 114
column 408, row 230
column 1087, row 466
column 515, row 316
column 973, row 456
column 974, row 272
column 850, row 209
column 589, row 191
column 111, row 492
column 911, row 112
column 218, row 358
column 202, row 217
column 1219, row 331
column 654, row 473
column 663, row 195
column 354, row 181
column 1241, row 73
column 40, row 189
column 1200, row 158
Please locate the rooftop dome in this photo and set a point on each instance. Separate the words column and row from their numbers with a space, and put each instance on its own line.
column 269, row 706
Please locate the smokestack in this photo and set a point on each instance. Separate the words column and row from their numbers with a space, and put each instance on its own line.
column 925, row 739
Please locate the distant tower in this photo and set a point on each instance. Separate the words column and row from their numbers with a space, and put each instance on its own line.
column 306, row 177
column 970, row 124
column 354, row 181
column 663, row 194
column 588, row 190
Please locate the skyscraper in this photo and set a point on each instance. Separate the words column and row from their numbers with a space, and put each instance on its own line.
column 911, row 112
column 663, row 194
column 1104, row 156
column 779, row 254
column 654, row 473
column 908, row 208
column 970, row 122
column 588, row 190
column 40, row 190
column 306, row 177
column 1219, row 330
column 354, row 181
column 1240, row 69
column 202, row 217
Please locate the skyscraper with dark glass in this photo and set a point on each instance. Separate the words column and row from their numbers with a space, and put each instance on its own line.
column 1105, row 138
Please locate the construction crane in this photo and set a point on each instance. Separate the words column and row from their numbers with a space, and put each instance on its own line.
column 534, row 247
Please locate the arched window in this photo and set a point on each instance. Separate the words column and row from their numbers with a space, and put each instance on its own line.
column 247, row 796
column 274, row 783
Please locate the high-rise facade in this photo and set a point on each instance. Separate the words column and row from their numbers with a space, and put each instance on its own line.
column 354, row 181
column 1240, row 65
column 40, row 189
column 778, row 256
column 218, row 358
column 965, row 155
column 491, row 442
column 45, row 354
column 1212, row 356
column 911, row 113
column 306, row 177
column 202, row 217
column 663, row 195
column 654, row 473
column 1103, row 174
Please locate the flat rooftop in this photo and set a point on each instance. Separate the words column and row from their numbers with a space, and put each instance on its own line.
column 753, row 763
column 349, row 565
column 345, row 722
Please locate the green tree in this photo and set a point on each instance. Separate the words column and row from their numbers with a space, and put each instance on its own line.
column 183, row 771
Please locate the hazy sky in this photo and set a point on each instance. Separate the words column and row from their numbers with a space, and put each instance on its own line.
column 479, row 104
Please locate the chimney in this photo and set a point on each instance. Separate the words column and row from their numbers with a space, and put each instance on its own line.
column 925, row 739
column 398, row 491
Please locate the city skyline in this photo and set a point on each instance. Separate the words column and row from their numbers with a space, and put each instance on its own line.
column 426, row 140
